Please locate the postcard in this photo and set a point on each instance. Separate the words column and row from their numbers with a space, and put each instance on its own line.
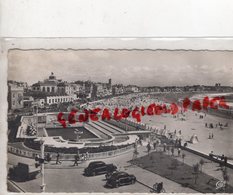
column 111, row 115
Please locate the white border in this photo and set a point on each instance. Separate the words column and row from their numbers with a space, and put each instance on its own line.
column 87, row 43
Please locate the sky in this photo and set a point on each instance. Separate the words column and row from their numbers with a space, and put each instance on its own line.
column 137, row 67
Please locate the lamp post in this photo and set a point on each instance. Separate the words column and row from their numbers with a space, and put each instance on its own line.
column 40, row 162
column 42, row 187
column 41, row 159
column 77, row 132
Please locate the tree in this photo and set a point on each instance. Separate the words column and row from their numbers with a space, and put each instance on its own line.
column 183, row 157
column 201, row 162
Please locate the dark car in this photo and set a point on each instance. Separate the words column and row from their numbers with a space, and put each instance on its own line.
column 99, row 167
column 120, row 179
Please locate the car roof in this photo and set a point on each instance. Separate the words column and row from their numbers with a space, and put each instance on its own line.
column 96, row 162
column 119, row 173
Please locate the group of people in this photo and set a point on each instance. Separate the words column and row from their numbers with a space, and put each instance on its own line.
column 211, row 135
column 77, row 158
column 211, row 125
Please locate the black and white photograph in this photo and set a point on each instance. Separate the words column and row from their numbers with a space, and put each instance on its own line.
column 132, row 120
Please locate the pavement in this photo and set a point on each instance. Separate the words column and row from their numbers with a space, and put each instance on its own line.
column 67, row 178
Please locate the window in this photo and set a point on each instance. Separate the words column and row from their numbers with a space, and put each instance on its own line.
column 52, row 100
column 48, row 89
column 49, row 100
column 53, row 89
column 13, row 103
column 44, row 89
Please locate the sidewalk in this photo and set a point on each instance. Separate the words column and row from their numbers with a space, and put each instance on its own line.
column 121, row 162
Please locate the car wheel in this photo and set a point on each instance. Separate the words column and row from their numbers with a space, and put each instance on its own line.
column 133, row 181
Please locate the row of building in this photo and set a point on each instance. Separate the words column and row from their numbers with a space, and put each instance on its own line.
column 54, row 91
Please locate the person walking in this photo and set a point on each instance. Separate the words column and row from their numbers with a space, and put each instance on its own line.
column 135, row 153
column 164, row 147
column 76, row 159
column 58, row 158
column 172, row 151
column 148, row 147
column 179, row 151
column 154, row 145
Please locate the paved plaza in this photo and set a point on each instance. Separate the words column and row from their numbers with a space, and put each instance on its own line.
column 192, row 124
column 80, row 183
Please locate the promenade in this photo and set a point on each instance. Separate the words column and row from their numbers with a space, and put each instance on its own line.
column 81, row 183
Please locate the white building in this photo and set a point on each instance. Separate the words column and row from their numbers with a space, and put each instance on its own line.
column 48, row 85
column 132, row 89
column 60, row 99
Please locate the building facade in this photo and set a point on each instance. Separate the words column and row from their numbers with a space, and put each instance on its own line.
column 48, row 85
column 59, row 99
column 15, row 96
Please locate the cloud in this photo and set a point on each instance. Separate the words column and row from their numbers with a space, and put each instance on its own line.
column 143, row 68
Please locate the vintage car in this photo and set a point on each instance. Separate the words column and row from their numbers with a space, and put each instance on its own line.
column 99, row 167
column 119, row 179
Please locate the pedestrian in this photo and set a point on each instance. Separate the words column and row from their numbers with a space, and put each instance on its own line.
column 148, row 147
column 82, row 157
column 212, row 136
column 209, row 136
column 87, row 155
column 58, row 158
column 48, row 157
column 135, row 153
column 179, row 142
column 172, row 151
column 179, row 151
column 164, row 147
column 76, row 159
column 154, row 145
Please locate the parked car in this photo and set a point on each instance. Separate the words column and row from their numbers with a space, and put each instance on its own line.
column 23, row 172
column 99, row 167
column 119, row 179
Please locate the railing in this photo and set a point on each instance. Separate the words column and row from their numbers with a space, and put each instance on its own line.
column 20, row 152
column 99, row 155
